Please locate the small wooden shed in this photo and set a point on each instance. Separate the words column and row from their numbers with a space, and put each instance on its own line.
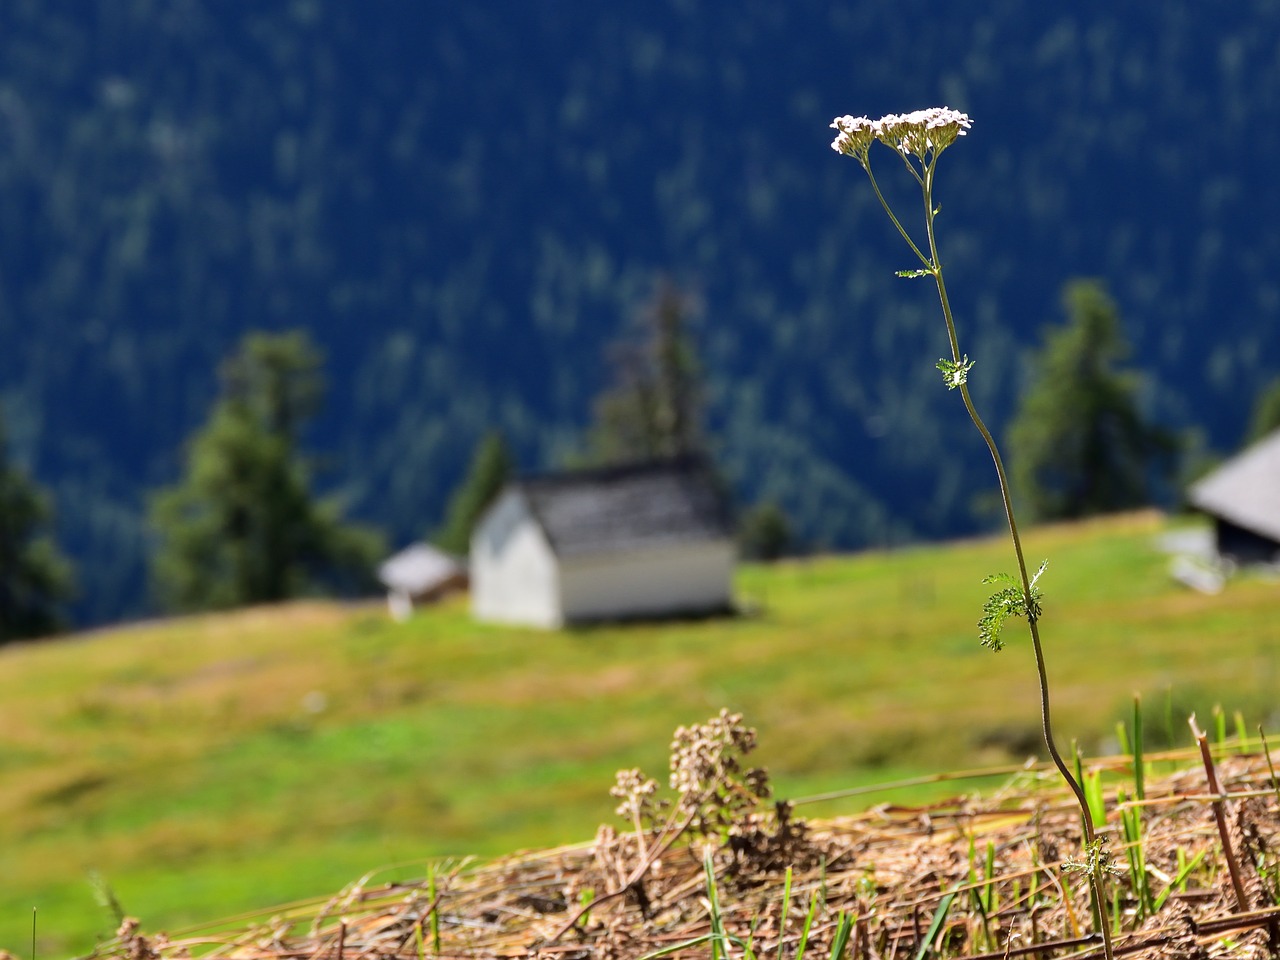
column 419, row 574
column 1243, row 498
column 644, row 540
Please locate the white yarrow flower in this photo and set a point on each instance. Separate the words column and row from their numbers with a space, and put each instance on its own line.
column 917, row 134
column 855, row 137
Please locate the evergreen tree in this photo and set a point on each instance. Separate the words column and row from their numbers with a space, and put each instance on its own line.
column 653, row 409
column 1079, row 445
column 1266, row 412
column 34, row 578
column 491, row 468
column 764, row 532
column 242, row 527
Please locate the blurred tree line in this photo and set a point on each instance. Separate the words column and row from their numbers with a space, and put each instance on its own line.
column 243, row 525
column 462, row 204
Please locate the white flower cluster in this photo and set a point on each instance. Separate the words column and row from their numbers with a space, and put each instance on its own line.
column 855, row 136
column 912, row 134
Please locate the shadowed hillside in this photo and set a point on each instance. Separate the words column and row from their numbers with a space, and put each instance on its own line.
column 464, row 204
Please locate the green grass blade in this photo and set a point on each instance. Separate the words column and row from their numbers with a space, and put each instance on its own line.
column 1271, row 767
column 808, row 924
column 939, row 918
column 435, row 908
column 844, row 926
column 1131, row 827
column 1079, row 765
column 1139, row 764
column 713, row 899
column 677, row 947
column 989, row 893
column 786, row 909
column 749, row 950
column 1180, row 878
column 1092, row 784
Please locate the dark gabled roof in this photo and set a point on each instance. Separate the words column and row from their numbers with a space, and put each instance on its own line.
column 630, row 507
column 1246, row 489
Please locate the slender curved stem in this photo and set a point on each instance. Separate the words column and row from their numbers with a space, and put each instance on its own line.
column 911, row 167
column 1003, row 478
column 887, row 209
column 1046, row 721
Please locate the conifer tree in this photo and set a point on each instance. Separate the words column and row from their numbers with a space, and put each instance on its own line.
column 1079, row 443
column 491, row 468
column 653, row 409
column 35, row 580
column 764, row 532
column 1266, row 412
column 242, row 527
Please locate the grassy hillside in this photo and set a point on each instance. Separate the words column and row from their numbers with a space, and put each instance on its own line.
column 208, row 765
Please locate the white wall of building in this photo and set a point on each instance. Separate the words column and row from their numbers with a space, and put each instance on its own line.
column 514, row 577
column 690, row 577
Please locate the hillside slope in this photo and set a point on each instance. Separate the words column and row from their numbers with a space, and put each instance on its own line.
column 208, row 765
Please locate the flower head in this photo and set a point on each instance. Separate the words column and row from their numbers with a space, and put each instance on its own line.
column 855, row 137
column 921, row 131
column 914, row 134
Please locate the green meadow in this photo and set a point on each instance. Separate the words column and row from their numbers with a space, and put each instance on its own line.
column 206, row 766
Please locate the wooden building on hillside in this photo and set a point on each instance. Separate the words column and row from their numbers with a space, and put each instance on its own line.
column 1243, row 499
column 646, row 540
column 419, row 574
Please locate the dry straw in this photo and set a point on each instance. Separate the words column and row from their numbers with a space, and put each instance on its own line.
column 876, row 879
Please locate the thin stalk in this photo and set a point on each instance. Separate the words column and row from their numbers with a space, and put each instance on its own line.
column 1219, row 815
column 1266, row 750
column 889, row 210
column 1002, row 476
column 1046, row 720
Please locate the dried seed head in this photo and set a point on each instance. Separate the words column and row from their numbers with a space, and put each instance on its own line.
column 705, row 754
column 636, row 791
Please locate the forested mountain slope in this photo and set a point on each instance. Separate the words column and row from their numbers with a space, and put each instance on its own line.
column 464, row 203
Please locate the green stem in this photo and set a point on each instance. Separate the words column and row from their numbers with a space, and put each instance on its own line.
column 1046, row 722
column 884, row 203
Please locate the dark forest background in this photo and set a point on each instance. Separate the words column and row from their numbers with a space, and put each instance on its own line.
column 464, row 204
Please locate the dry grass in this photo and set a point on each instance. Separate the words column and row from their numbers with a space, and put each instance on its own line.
column 998, row 861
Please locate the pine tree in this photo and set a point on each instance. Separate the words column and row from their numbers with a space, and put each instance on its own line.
column 1266, row 412
column 491, row 468
column 242, row 527
column 35, row 580
column 764, row 532
column 1079, row 445
column 653, row 409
